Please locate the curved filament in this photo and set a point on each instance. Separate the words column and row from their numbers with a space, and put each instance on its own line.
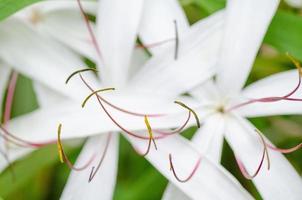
column 289, row 150
column 264, row 153
column 94, row 169
column 90, row 30
column 77, row 72
column 63, row 156
column 95, row 93
column 176, row 40
column 190, row 175
column 191, row 110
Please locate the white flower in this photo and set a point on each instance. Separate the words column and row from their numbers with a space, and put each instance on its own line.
column 225, row 103
column 151, row 90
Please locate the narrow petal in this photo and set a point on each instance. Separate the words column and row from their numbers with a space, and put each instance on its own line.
column 82, row 122
column 276, row 85
column 281, row 181
column 68, row 27
column 207, row 179
column 4, row 73
column 42, row 59
column 197, row 56
column 208, row 141
column 102, row 185
column 159, row 15
column 46, row 96
column 173, row 193
column 117, row 37
column 246, row 25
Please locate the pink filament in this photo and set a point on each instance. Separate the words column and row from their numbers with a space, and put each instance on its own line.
column 271, row 99
column 289, row 150
column 95, row 170
column 10, row 97
column 155, row 44
column 91, row 33
column 190, row 175
column 115, row 122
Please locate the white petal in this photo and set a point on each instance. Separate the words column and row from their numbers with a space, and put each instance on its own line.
column 41, row 59
column 91, row 120
column 173, row 193
column 208, row 141
column 46, row 96
column 13, row 154
column 4, row 77
column 197, row 56
column 208, row 179
column 279, row 85
column 159, row 15
column 246, row 24
column 117, row 26
column 68, row 27
column 281, row 181
column 102, row 185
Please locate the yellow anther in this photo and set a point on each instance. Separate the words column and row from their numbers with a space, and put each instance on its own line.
column 150, row 130
column 191, row 110
column 296, row 63
column 79, row 71
column 59, row 144
column 93, row 93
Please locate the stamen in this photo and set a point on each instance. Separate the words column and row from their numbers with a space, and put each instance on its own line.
column 91, row 33
column 276, row 98
column 265, row 148
column 150, row 131
column 79, row 71
column 191, row 174
column 93, row 172
column 100, row 99
column 24, row 143
column 10, row 97
column 155, row 44
column 94, row 93
column 296, row 63
column 191, row 110
column 265, row 153
column 289, row 150
column 64, row 158
column 59, row 144
column 151, row 138
column 176, row 40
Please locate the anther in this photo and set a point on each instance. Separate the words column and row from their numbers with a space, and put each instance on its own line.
column 63, row 157
column 191, row 110
column 79, row 71
column 95, row 93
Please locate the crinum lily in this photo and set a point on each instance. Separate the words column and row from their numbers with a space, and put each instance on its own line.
column 117, row 41
column 23, row 30
column 225, row 104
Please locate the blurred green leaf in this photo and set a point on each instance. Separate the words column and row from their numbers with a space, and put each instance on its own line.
column 285, row 33
column 27, row 169
column 9, row 7
column 210, row 6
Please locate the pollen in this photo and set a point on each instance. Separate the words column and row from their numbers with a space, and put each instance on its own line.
column 59, row 144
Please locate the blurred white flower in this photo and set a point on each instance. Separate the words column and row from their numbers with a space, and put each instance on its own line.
column 294, row 3
column 226, row 104
column 146, row 90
